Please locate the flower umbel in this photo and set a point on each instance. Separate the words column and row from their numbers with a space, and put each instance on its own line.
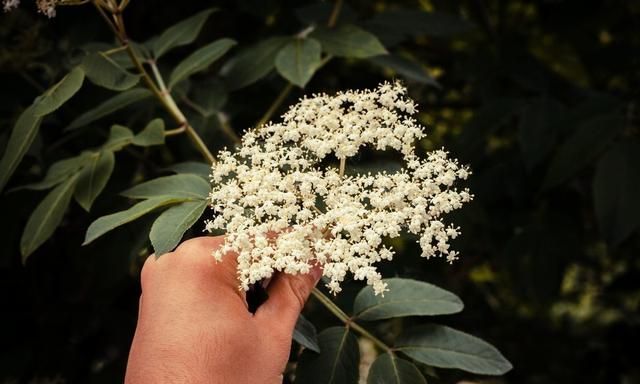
column 275, row 184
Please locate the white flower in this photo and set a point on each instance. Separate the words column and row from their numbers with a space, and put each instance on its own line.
column 9, row 5
column 284, row 209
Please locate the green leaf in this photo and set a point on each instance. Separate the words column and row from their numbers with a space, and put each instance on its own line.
column 409, row 69
column 152, row 134
column 538, row 130
column 616, row 191
column 46, row 218
column 253, row 63
column 105, row 72
column 119, row 137
column 389, row 369
column 305, row 334
column 184, row 186
column 298, row 60
column 585, row 144
column 170, row 226
column 58, row 172
column 109, row 106
column 445, row 347
column 182, row 33
column 200, row 60
column 337, row 362
column 349, row 41
column 200, row 169
column 107, row 223
column 22, row 136
column 60, row 93
column 211, row 95
column 405, row 297
column 93, row 178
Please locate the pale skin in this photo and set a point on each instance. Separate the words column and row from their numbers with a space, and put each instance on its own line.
column 194, row 326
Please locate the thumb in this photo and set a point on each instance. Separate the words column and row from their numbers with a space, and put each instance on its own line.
column 287, row 295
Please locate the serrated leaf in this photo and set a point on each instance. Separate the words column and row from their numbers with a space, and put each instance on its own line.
column 93, row 178
column 200, row 60
column 170, row 226
column 616, row 192
column 445, row 347
column 389, row 369
column 60, row 93
column 185, row 186
column 349, row 41
column 298, row 60
column 538, row 130
column 152, row 134
column 108, row 223
column 585, row 144
column 182, row 33
column 21, row 138
column 253, row 63
column 199, row 169
column 119, row 137
column 105, row 72
column 46, row 217
column 305, row 334
column 409, row 69
column 405, row 297
column 117, row 102
column 337, row 362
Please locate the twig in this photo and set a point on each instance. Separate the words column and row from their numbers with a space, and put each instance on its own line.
column 333, row 308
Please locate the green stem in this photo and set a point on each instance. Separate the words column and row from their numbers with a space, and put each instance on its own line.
column 339, row 313
column 175, row 131
column 179, row 116
column 275, row 105
column 159, row 90
column 334, row 14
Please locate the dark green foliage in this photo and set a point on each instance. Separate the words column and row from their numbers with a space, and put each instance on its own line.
column 406, row 297
column 336, row 363
column 389, row 369
column 443, row 347
column 306, row 335
column 539, row 98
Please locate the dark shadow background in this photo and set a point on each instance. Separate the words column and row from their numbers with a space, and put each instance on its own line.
column 540, row 98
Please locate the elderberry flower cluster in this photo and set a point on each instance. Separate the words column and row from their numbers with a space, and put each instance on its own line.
column 284, row 209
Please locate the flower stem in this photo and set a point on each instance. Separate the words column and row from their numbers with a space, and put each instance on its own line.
column 339, row 313
column 275, row 105
column 334, row 14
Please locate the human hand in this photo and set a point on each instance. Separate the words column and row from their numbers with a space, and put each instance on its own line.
column 194, row 325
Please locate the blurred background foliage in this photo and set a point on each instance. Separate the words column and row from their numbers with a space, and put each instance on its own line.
column 540, row 98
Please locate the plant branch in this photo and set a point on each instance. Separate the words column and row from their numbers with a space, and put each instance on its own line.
column 275, row 105
column 173, row 108
column 159, row 89
column 335, row 12
column 339, row 313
